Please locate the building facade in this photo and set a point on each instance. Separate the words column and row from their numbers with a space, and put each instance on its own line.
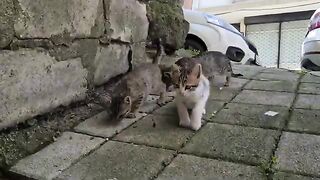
column 276, row 27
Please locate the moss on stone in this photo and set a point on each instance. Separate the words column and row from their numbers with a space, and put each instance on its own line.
column 167, row 21
column 6, row 22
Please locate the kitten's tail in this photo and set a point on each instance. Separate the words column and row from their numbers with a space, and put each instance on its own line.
column 160, row 52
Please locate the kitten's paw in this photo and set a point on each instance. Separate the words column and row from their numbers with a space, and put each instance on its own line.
column 184, row 124
column 161, row 102
column 130, row 116
column 195, row 125
column 164, row 101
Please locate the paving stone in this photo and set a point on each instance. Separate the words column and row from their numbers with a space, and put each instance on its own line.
column 115, row 160
column 158, row 131
column 286, row 86
column 284, row 76
column 265, row 98
column 307, row 101
column 310, row 78
column 222, row 94
column 191, row 167
column 168, row 109
column 247, row 71
column 309, row 88
column 252, row 115
column 288, row 176
column 234, row 143
column 275, row 70
column 299, row 153
column 150, row 104
column 235, row 83
column 99, row 125
column 212, row 108
column 52, row 160
column 217, row 92
column 305, row 121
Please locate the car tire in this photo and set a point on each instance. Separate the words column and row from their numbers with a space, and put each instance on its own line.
column 195, row 45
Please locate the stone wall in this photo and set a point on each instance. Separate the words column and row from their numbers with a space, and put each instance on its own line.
column 52, row 52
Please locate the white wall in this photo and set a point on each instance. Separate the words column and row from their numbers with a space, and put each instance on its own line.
column 215, row 3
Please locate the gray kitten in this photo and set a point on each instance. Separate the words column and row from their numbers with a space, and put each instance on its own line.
column 215, row 63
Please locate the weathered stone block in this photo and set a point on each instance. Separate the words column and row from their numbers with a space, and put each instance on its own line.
column 59, row 19
column 58, row 156
column 168, row 109
column 110, row 61
column 252, row 115
column 100, row 125
column 236, row 143
column 264, row 98
column 212, row 107
column 303, row 120
column 32, row 83
column 158, row 131
column 222, row 94
column 310, row 78
column 299, row 153
column 283, row 86
column 6, row 22
column 185, row 167
column 307, row 101
column 278, row 75
column 115, row 160
column 288, row 176
column 309, row 88
column 246, row 70
column 128, row 20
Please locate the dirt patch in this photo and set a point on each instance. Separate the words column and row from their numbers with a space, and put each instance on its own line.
column 23, row 140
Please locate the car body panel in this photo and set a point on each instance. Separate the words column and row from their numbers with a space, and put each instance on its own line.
column 218, row 36
column 310, row 52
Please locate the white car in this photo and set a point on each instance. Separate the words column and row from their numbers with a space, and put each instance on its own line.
column 210, row 33
column 310, row 55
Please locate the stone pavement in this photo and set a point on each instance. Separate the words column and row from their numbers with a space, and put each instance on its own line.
column 237, row 140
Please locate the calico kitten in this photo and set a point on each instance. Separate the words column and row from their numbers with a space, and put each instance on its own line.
column 132, row 90
column 192, row 92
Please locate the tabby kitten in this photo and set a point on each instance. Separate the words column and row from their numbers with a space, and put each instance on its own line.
column 132, row 90
column 215, row 63
column 192, row 92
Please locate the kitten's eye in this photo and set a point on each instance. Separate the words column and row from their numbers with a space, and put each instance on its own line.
column 176, row 86
column 190, row 87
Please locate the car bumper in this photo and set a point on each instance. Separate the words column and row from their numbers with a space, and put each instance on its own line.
column 219, row 39
column 311, row 55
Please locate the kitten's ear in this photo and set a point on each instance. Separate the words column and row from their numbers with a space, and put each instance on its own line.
column 197, row 71
column 175, row 67
column 127, row 100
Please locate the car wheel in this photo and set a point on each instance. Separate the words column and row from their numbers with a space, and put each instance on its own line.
column 194, row 45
